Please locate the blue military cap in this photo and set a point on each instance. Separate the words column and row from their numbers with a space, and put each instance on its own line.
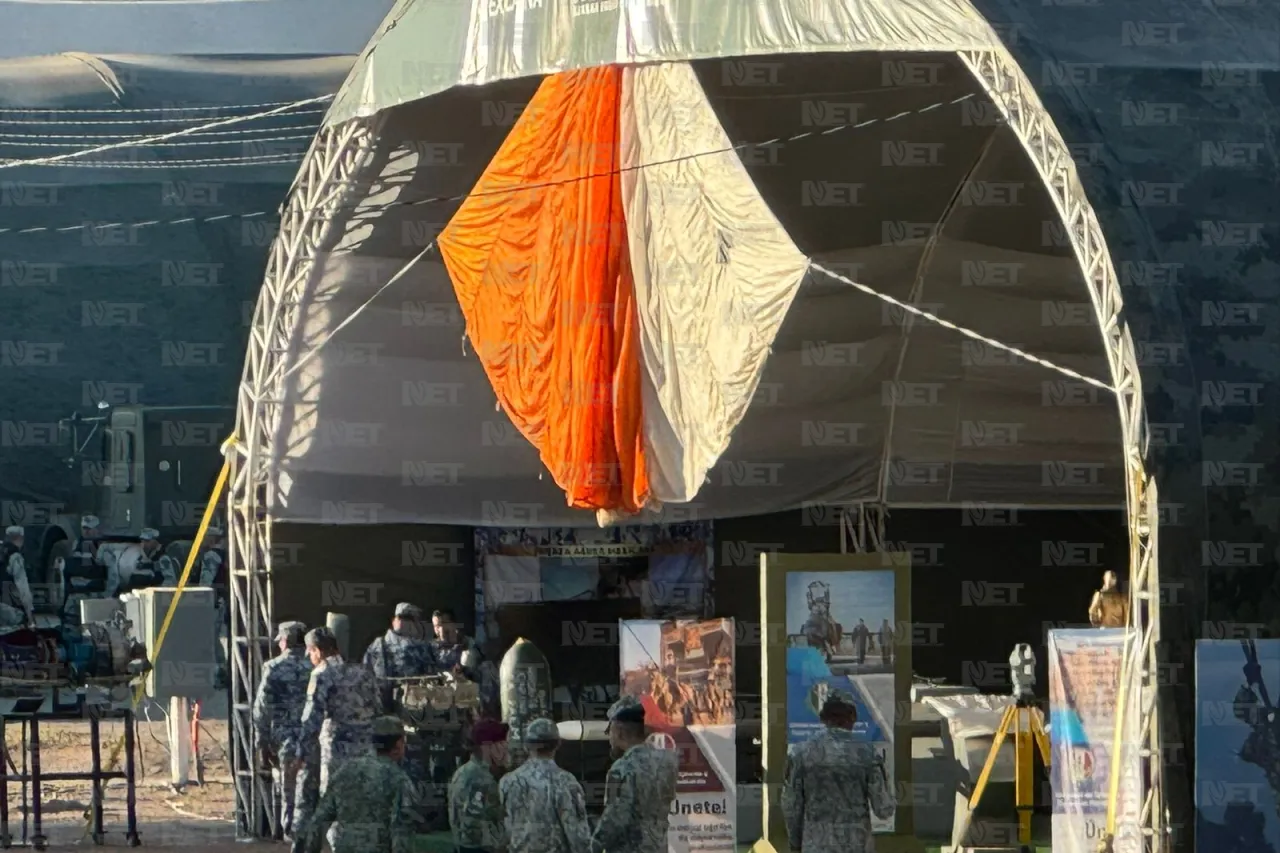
column 291, row 631
column 319, row 635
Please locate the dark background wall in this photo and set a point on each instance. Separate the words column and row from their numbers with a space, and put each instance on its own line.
column 365, row 571
column 977, row 589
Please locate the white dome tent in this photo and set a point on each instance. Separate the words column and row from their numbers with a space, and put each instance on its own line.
column 357, row 326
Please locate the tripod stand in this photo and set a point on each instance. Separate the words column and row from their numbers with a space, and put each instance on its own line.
column 1024, row 722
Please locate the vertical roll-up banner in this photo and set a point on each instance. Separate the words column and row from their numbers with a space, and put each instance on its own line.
column 1087, row 670
column 682, row 672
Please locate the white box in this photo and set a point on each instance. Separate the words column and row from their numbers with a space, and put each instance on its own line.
column 185, row 666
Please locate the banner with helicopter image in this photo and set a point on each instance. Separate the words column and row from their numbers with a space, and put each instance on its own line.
column 682, row 673
column 1087, row 670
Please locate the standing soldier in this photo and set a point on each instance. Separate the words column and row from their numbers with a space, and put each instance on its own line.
column 84, row 575
column 834, row 785
column 402, row 652
column 149, row 570
column 638, row 789
column 18, row 605
column 366, row 800
column 886, row 643
column 543, row 806
column 337, row 721
column 214, row 574
column 277, row 712
column 475, row 805
column 453, row 650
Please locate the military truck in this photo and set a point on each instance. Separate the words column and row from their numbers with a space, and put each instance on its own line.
column 136, row 467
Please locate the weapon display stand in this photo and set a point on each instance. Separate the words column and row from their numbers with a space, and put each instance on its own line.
column 32, row 779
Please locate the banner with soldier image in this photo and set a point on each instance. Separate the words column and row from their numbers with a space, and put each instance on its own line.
column 682, row 672
column 1086, row 680
column 842, row 635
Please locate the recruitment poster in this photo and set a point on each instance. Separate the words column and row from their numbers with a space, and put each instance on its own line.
column 841, row 634
column 1084, row 699
column 1237, row 746
column 682, row 672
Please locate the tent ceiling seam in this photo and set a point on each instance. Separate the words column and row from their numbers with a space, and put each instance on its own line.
column 968, row 333
column 908, row 321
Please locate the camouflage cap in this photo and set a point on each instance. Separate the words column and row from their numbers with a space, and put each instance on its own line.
column 542, row 730
column 388, row 727
column 88, row 522
column 291, row 631
column 839, row 701
column 149, row 533
column 14, row 530
column 627, row 710
column 319, row 635
column 405, row 610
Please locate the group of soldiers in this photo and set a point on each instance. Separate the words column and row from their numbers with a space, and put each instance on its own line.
column 322, row 724
column 92, row 571
column 314, row 710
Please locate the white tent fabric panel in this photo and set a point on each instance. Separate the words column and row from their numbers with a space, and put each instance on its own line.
column 426, row 48
column 714, row 274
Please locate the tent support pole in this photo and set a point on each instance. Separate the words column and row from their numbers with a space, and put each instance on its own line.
column 1000, row 76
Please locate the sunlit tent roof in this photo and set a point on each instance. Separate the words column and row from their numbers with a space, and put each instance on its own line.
column 746, row 173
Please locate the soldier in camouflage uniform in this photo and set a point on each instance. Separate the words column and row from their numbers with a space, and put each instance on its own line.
column 544, row 808
column 402, row 652
column 638, row 789
column 475, row 805
column 366, row 800
column 277, row 712
column 337, row 721
column 834, row 785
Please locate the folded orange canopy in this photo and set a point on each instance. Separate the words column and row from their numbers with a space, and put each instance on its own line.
column 539, row 261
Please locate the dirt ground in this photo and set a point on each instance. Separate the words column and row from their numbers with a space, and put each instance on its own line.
column 197, row 818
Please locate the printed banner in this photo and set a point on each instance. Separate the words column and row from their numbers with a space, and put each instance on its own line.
column 840, row 635
column 1237, row 746
column 668, row 568
column 1084, row 700
column 683, row 674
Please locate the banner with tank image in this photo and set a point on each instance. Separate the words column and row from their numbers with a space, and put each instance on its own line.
column 1237, row 746
column 1094, row 684
column 682, row 672
column 837, row 622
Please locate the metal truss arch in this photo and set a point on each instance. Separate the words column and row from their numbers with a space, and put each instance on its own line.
column 1009, row 89
column 307, row 223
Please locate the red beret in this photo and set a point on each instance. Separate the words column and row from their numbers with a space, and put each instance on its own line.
column 488, row 731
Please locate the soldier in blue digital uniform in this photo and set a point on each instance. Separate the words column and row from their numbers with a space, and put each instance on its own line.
column 402, row 652
column 277, row 713
column 451, row 646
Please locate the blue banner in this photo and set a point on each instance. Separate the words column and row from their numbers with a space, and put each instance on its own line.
column 1237, row 746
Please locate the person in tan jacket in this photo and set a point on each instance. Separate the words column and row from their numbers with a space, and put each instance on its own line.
column 1110, row 606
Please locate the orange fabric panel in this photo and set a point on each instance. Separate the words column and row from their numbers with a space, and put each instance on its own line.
column 543, row 277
